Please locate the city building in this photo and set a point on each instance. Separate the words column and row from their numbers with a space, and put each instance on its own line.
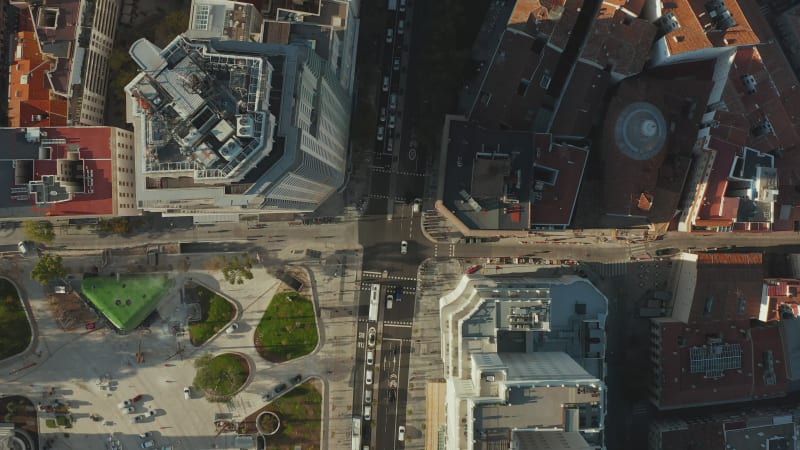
column 508, row 181
column 524, row 362
column 330, row 27
column 714, row 347
column 225, row 19
column 62, row 51
column 746, row 429
column 694, row 30
column 224, row 128
column 67, row 172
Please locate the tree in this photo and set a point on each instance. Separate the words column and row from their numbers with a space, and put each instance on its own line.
column 48, row 268
column 237, row 270
column 40, row 231
column 118, row 225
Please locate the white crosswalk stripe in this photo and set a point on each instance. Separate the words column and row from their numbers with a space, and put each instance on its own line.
column 638, row 249
column 396, row 323
column 613, row 269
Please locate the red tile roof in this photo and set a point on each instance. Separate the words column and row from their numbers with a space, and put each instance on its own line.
column 695, row 24
column 500, row 102
column 534, row 17
column 557, row 202
column 782, row 292
column 582, row 102
column 730, row 284
column 94, row 144
column 620, row 40
column 678, row 387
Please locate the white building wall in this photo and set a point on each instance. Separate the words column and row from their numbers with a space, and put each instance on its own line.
column 95, row 66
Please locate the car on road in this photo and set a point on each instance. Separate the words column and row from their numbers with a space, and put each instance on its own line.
column 187, row 393
column 279, row 388
column 416, row 206
column 396, row 63
column 389, row 35
column 385, row 87
column 389, row 301
column 266, row 397
column 383, row 114
column 234, row 326
column 368, row 396
column 370, row 357
column 371, row 336
column 668, row 251
column 148, row 444
column 391, row 121
column 401, row 25
column 129, row 410
column 403, row 247
column 392, row 394
column 401, row 433
column 297, row 378
column 368, row 378
column 367, row 412
column 398, row 293
column 402, row 6
column 393, row 102
column 473, row 269
column 379, row 134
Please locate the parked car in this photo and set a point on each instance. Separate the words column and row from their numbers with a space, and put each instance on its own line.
column 136, row 398
column 138, row 418
column 383, row 114
column 234, row 326
column 148, row 444
column 396, row 63
column 473, row 269
column 151, row 413
column 389, row 35
column 129, row 410
column 145, row 435
column 379, row 135
column 389, row 301
column 367, row 412
column 368, row 378
column 187, row 392
column 124, row 404
column 385, row 87
column 401, row 25
column 401, row 433
column 280, row 388
column 371, row 335
column 297, row 378
column 398, row 293
column 368, row 396
column 370, row 357
column 391, row 121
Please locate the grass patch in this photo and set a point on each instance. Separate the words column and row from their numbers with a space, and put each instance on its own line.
column 127, row 302
column 63, row 421
column 288, row 329
column 300, row 411
column 15, row 332
column 217, row 312
column 221, row 376
column 51, row 423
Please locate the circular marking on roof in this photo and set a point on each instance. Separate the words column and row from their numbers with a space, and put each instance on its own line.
column 640, row 131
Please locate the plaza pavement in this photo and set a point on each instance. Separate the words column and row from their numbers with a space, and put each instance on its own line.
column 73, row 362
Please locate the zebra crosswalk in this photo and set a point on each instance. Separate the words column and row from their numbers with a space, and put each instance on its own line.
column 612, row 269
column 638, row 249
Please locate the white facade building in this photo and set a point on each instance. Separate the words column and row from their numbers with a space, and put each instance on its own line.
column 226, row 127
column 524, row 363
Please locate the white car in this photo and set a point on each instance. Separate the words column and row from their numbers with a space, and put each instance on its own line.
column 234, row 326
column 368, row 396
column 380, row 133
column 125, row 404
column 368, row 378
column 187, row 393
column 389, row 301
column 389, row 35
column 400, row 26
column 401, row 433
column 129, row 410
column 396, row 64
column 391, row 121
column 370, row 357
column 367, row 412
column 403, row 247
column 383, row 114
column 371, row 335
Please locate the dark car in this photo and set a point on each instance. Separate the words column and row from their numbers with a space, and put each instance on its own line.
column 667, row 251
column 297, row 378
column 280, row 388
column 136, row 398
column 392, row 395
column 398, row 294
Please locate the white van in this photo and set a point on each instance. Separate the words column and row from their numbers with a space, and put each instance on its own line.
column 368, row 378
